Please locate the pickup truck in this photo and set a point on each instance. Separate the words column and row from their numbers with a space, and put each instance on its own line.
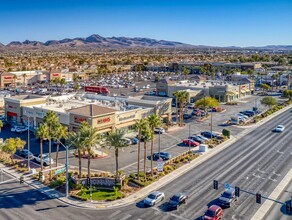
column 46, row 161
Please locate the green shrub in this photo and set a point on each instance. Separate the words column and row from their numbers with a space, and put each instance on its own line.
column 132, row 176
column 141, row 174
column 118, row 186
column 56, row 183
column 226, row 132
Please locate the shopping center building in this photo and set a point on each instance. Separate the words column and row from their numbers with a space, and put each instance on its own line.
column 222, row 91
column 102, row 112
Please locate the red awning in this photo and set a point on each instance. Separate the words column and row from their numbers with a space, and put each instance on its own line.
column 11, row 114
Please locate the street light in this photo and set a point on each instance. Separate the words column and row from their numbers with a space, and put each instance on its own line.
column 28, row 142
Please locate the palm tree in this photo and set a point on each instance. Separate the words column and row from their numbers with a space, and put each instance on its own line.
column 14, row 81
column 1, row 125
column 62, row 83
column 52, row 122
column 147, row 135
column 76, row 139
column 60, row 132
column 181, row 98
column 139, row 126
column 24, row 76
column 115, row 140
column 154, row 122
column 91, row 139
column 42, row 132
column 176, row 94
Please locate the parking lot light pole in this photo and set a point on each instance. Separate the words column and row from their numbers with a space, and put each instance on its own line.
column 67, row 174
column 159, row 145
column 28, row 144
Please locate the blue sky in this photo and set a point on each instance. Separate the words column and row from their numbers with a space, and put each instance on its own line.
column 204, row 22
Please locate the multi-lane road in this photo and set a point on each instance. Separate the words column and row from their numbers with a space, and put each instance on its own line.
column 257, row 162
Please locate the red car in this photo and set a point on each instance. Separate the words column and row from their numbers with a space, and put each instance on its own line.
column 190, row 142
column 214, row 212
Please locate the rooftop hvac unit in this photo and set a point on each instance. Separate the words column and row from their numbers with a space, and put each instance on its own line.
column 60, row 105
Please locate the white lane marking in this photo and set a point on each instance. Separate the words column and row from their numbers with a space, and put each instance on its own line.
column 277, row 174
column 270, row 178
column 126, row 217
column 261, row 171
column 114, row 214
column 257, row 176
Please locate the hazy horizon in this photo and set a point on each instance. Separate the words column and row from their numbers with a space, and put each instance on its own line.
column 212, row 23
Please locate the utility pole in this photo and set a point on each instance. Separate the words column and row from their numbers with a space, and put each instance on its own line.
column 158, row 145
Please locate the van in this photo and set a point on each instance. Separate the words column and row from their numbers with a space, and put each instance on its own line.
column 227, row 198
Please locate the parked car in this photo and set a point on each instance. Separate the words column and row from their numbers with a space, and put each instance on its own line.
column 159, row 130
column 187, row 116
column 163, row 155
column 241, row 116
column 176, row 200
column 248, row 113
column 46, row 160
column 134, row 140
column 154, row 198
column 217, row 109
column 197, row 139
column 214, row 212
column 24, row 153
column 279, row 128
column 227, row 198
column 208, row 134
column 127, row 140
column 190, row 142
column 202, row 137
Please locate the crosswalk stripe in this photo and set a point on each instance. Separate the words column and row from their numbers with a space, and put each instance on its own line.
column 126, row 217
column 114, row 214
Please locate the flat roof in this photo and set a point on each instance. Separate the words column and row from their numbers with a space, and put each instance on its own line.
column 92, row 110
column 26, row 97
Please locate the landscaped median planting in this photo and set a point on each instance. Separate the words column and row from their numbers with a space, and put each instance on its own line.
column 271, row 111
column 169, row 166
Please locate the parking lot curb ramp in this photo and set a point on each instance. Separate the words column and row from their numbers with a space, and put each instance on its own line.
column 152, row 187
column 265, row 207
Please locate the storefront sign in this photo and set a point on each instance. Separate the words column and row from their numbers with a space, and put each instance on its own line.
column 11, row 114
column 79, row 120
column 7, row 77
column 10, row 106
column 127, row 117
column 103, row 120
column 55, row 74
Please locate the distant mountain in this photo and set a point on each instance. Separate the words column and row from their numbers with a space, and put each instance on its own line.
column 97, row 41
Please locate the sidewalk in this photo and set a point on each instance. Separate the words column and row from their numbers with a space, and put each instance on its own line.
column 144, row 191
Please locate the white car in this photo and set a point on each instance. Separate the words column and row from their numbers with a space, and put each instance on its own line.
column 239, row 115
column 46, row 160
column 202, row 137
column 279, row 128
column 159, row 130
column 154, row 198
column 127, row 140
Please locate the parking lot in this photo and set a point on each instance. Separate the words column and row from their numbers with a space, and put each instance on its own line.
column 169, row 141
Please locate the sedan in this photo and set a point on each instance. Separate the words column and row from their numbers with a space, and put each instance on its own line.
column 163, row 156
column 154, row 198
column 279, row 128
column 24, row 153
column 159, row 130
column 197, row 139
column 176, row 200
column 213, row 213
column 208, row 134
column 190, row 142
column 134, row 140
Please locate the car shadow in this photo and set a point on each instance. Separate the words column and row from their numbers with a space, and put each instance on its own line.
column 141, row 205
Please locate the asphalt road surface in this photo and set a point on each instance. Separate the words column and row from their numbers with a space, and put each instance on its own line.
column 257, row 163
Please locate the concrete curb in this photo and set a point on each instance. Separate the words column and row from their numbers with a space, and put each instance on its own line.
column 262, row 211
column 162, row 182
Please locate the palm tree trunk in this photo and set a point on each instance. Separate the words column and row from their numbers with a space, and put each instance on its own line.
column 57, row 154
column 181, row 113
column 139, row 149
column 88, row 162
column 80, row 166
column 151, row 153
column 145, row 157
column 117, row 162
column 176, row 107
column 11, row 157
column 41, row 153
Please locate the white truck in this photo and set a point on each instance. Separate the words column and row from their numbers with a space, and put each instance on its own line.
column 46, row 160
